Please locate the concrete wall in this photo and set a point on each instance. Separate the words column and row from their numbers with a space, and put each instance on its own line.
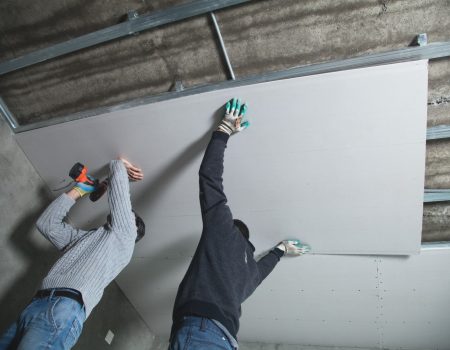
column 25, row 257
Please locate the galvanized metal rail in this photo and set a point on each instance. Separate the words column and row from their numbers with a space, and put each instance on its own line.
column 435, row 50
column 222, row 46
column 438, row 132
column 439, row 195
column 135, row 24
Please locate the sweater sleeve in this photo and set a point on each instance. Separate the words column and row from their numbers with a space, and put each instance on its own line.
column 52, row 226
column 213, row 201
column 122, row 217
column 267, row 263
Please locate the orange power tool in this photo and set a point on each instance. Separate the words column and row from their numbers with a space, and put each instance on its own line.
column 79, row 173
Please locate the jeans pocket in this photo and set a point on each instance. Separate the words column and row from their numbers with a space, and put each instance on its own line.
column 73, row 334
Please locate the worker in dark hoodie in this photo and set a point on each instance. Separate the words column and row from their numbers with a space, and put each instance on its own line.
column 223, row 272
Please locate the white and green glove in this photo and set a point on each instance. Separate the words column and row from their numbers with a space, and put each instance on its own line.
column 293, row 247
column 234, row 113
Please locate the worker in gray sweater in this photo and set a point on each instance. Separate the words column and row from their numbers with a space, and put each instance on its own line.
column 90, row 261
column 223, row 272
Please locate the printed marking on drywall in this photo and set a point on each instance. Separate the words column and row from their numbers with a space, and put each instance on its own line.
column 109, row 337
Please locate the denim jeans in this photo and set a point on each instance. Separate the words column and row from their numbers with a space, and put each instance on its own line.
column 52, row 322
column 199, row 333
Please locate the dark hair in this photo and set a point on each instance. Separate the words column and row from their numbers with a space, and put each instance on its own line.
column 140, row 225
column 242, row 228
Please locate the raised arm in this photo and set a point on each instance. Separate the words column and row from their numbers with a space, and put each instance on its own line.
column 212, row 196
column 122, row 217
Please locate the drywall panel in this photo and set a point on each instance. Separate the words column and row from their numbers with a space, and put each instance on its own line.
column 334, row 159
column 389, row 302
column 380, row 302
column 415, row 293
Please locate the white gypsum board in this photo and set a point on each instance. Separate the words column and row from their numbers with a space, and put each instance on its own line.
column 336, row 159
column 384, row 302
column 388, row 302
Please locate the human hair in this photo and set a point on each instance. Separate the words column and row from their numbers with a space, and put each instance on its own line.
column 140, row 225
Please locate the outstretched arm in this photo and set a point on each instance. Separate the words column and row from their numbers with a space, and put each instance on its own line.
column 267, row 263
column 285, row 248
column 212, row 196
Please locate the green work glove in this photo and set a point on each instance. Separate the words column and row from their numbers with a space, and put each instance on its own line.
column 232, row 121
column 89, row 185
column 293, row 247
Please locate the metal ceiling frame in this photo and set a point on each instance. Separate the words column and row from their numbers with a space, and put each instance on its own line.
column 134, row 24
column 138, row 23
column 430, row 51
column 436, row 195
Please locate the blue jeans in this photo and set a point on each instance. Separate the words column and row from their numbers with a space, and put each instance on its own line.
column 52, row 322
column 199, row 333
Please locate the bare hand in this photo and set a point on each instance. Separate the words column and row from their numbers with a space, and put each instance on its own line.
column 134, row 173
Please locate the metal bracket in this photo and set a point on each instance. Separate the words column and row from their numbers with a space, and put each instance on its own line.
column 422, row 39
column 177, row 85
column 132, row 15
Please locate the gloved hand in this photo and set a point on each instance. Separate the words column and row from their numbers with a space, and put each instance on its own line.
column 89, row 185
column 232, row 121
column 293, row 247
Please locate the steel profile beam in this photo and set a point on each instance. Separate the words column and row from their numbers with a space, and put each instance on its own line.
column 438, row 195
column 222, row 46
column 443, row 245
column 134, row 25
column 435, row 50
column 438, row 132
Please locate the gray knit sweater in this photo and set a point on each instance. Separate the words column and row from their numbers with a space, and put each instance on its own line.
column 91, row 259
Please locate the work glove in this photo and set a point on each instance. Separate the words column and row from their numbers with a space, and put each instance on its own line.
column 234, row 113
column 84, row 183
column 293, row 247
column 87, row 186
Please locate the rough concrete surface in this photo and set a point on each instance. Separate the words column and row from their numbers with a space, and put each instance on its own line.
column 436, row 218
column 26, row 256
column 260, row 36
column 438, row 164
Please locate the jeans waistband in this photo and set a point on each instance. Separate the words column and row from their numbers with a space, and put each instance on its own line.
column 61, row 292
column 206, row 323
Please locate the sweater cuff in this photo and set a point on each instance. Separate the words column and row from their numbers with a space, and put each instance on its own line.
column 278, row 252
column 65, row 200
column 220, row 135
